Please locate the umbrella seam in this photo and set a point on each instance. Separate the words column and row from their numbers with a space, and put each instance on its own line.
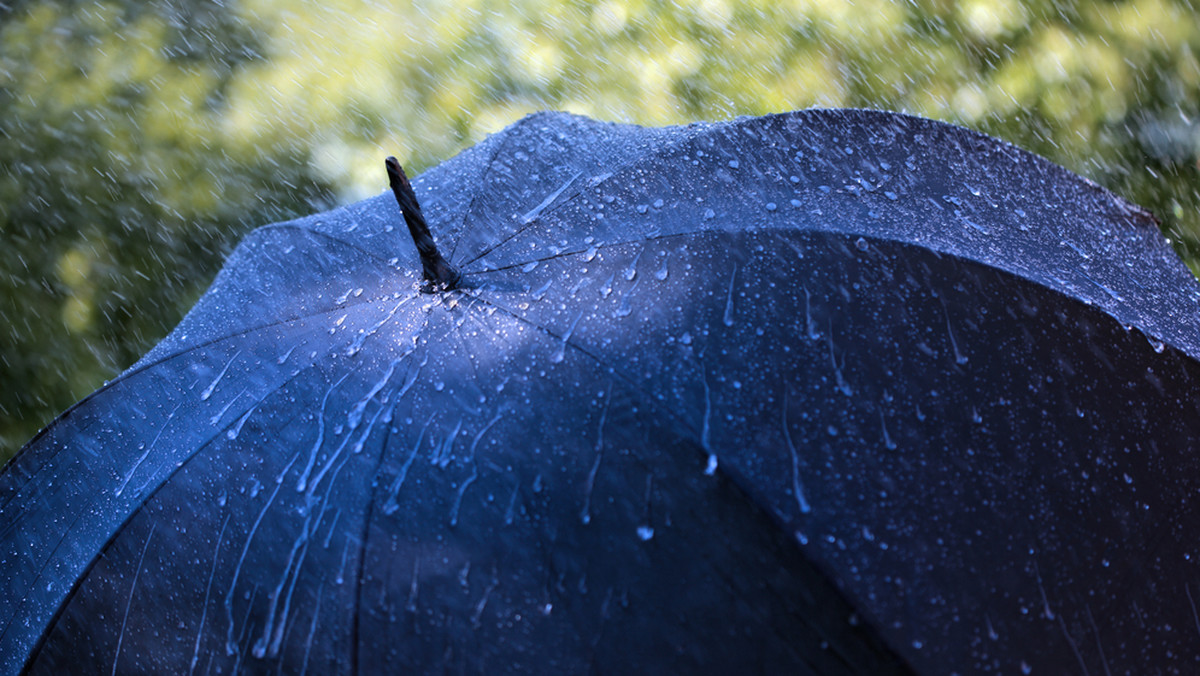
column 688, row 135
column 483, row 173
column 133, row 371
column 86, row 571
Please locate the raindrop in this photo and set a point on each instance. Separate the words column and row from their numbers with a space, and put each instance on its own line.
column 529, row 267
column 213, row 385
column 233, row 433
column 771, row 206
column 540, row 293
column 658, row 204
column 625, row 308
column 607, row 289
column 686, row 338
column 861, row 244
column 795, row 203
column 801, row 538
column 644, row 533
column 810, row 324
column 631, row 270
column 890, row 195
column 560, row 353
column 591, row 253
column 728, row 319
column 643, row 208
column 709, row 213
column 733, row 164
column 711, row 467
column 794, row 179
column 887, row 439
column 661, row 273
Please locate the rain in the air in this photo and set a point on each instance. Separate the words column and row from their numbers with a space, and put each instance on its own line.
column 618, row 337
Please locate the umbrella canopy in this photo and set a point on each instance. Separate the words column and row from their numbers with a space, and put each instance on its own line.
column 835, row 391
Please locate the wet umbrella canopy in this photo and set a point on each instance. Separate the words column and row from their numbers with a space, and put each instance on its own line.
column 831, row 390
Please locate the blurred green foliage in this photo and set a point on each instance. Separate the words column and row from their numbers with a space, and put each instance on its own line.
column 140, row 140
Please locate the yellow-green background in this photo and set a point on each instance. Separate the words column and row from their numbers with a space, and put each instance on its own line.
column 140, row 140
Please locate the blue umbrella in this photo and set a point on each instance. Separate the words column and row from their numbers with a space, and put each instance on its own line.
column 828, row 392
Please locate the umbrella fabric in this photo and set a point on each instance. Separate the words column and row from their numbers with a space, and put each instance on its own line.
column 832, row 391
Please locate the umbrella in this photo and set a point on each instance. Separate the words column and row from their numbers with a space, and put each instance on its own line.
column 827, row 391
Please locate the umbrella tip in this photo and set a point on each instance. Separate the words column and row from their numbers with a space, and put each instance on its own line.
column 436, row 270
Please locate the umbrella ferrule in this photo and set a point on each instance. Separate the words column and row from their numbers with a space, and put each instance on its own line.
column 436, row 270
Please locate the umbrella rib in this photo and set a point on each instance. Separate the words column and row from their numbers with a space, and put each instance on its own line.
column 551, row 208
column 322, row 235
column 475, row 197
column 126, row 375
column 120, row 527
column 362, row 549
column 576, row 252
column 368, row 516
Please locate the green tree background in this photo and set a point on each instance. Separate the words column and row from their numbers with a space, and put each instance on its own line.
column 139, row 141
